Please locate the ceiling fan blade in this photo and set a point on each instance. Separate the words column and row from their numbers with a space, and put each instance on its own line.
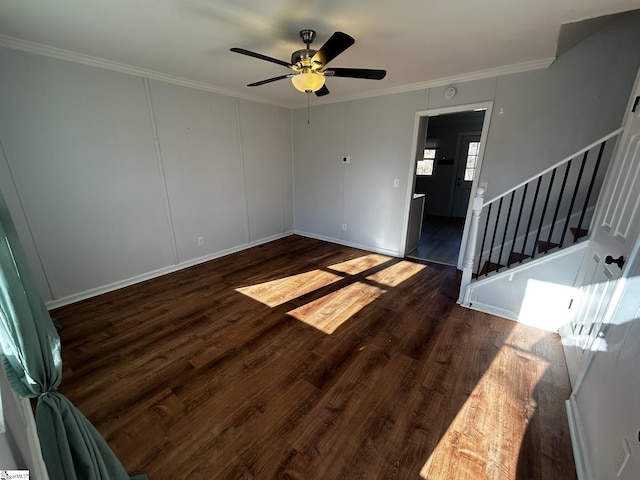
column 269, row 80
column 322, row 92
column 356, row 73
column 261, row 57
column 337, row 43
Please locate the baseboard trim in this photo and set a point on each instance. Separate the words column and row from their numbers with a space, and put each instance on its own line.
column 94, row 292
column 338, row 241
column 578, row 443
column 491, row 310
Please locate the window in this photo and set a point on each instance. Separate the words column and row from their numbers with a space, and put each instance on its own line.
column 425, row 166
column 472, row 161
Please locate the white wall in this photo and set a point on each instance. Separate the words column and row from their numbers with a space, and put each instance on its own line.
column 538, row 118
column 536, row 293
column 111, row 178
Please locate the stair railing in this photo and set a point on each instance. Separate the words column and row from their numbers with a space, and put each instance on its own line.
column 534, row 217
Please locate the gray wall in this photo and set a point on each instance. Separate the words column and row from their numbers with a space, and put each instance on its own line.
column 549, row 114
column 377, row 134
column 538, row 118
column 111, row 178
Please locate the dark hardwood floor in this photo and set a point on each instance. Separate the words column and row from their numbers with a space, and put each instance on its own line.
column 301, row 359
column 440, row 239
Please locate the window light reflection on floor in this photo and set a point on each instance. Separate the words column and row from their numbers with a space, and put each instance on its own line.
column 283, row 290
column 472, row 444
column 396, row 274
column 330, row 311
column 360, row 264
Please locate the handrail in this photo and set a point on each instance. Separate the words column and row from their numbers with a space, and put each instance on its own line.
column 549, row 210
column 556, row 165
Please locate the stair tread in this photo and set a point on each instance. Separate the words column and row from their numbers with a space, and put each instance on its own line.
column 583, row 232
column 516, row 257
column 489, row 267
column 542, row 244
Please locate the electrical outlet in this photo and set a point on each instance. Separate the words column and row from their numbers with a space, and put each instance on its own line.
column 344, row 227
column 200, row 241
column 346, row 159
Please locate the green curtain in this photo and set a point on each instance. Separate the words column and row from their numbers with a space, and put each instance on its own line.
column 72, row 448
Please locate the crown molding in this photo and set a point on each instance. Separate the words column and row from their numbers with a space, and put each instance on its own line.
column 75, row 57
column 444, row 81
column 62, row 54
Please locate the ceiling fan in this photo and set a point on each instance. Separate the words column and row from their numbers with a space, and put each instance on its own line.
column 309, row 65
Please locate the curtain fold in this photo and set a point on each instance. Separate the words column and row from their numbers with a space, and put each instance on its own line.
column 71, row 446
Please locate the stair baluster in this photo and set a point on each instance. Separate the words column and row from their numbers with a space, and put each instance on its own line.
column 500, row 229
column 515, row 233
column 591, row 183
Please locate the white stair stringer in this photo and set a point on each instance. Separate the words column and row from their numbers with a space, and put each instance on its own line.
column 536, row 293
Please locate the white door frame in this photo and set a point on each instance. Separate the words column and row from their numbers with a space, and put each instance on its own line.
column 420, row 115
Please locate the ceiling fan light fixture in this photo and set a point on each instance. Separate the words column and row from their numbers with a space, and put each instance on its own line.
column 308, row 81
column 309, row 65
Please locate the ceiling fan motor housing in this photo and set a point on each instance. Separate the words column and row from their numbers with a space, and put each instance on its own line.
column 302, row 58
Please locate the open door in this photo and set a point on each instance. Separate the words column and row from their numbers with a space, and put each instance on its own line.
column 446, row 156
column 601, row 342
column 616, row 229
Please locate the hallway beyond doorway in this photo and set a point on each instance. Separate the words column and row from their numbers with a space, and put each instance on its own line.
column 440, row 239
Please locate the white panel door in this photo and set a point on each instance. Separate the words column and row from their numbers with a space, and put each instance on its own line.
column 615, row 231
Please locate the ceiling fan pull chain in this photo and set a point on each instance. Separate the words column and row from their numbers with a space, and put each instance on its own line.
column 308, row 110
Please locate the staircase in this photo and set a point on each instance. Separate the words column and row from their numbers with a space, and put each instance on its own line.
column 542, row 248
column 537, row 218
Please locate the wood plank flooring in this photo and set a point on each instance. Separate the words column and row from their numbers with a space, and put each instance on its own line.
column 301, row 359
column 440, row 240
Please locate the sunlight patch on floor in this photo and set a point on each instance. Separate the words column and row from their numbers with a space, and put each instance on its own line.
column 525, row 338
column 497, row 413
column 329, row 312
column 360, row 264
column 396, row 274
column 283, row 290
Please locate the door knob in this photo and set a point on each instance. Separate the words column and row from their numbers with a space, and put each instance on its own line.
column 618, row 261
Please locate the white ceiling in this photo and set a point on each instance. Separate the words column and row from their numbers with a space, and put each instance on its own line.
column 419, row 42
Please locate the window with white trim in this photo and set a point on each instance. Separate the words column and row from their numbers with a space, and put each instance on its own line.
column 472, row 161
column 425, row 166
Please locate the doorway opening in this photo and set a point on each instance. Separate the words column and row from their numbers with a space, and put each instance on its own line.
column 448, row 156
